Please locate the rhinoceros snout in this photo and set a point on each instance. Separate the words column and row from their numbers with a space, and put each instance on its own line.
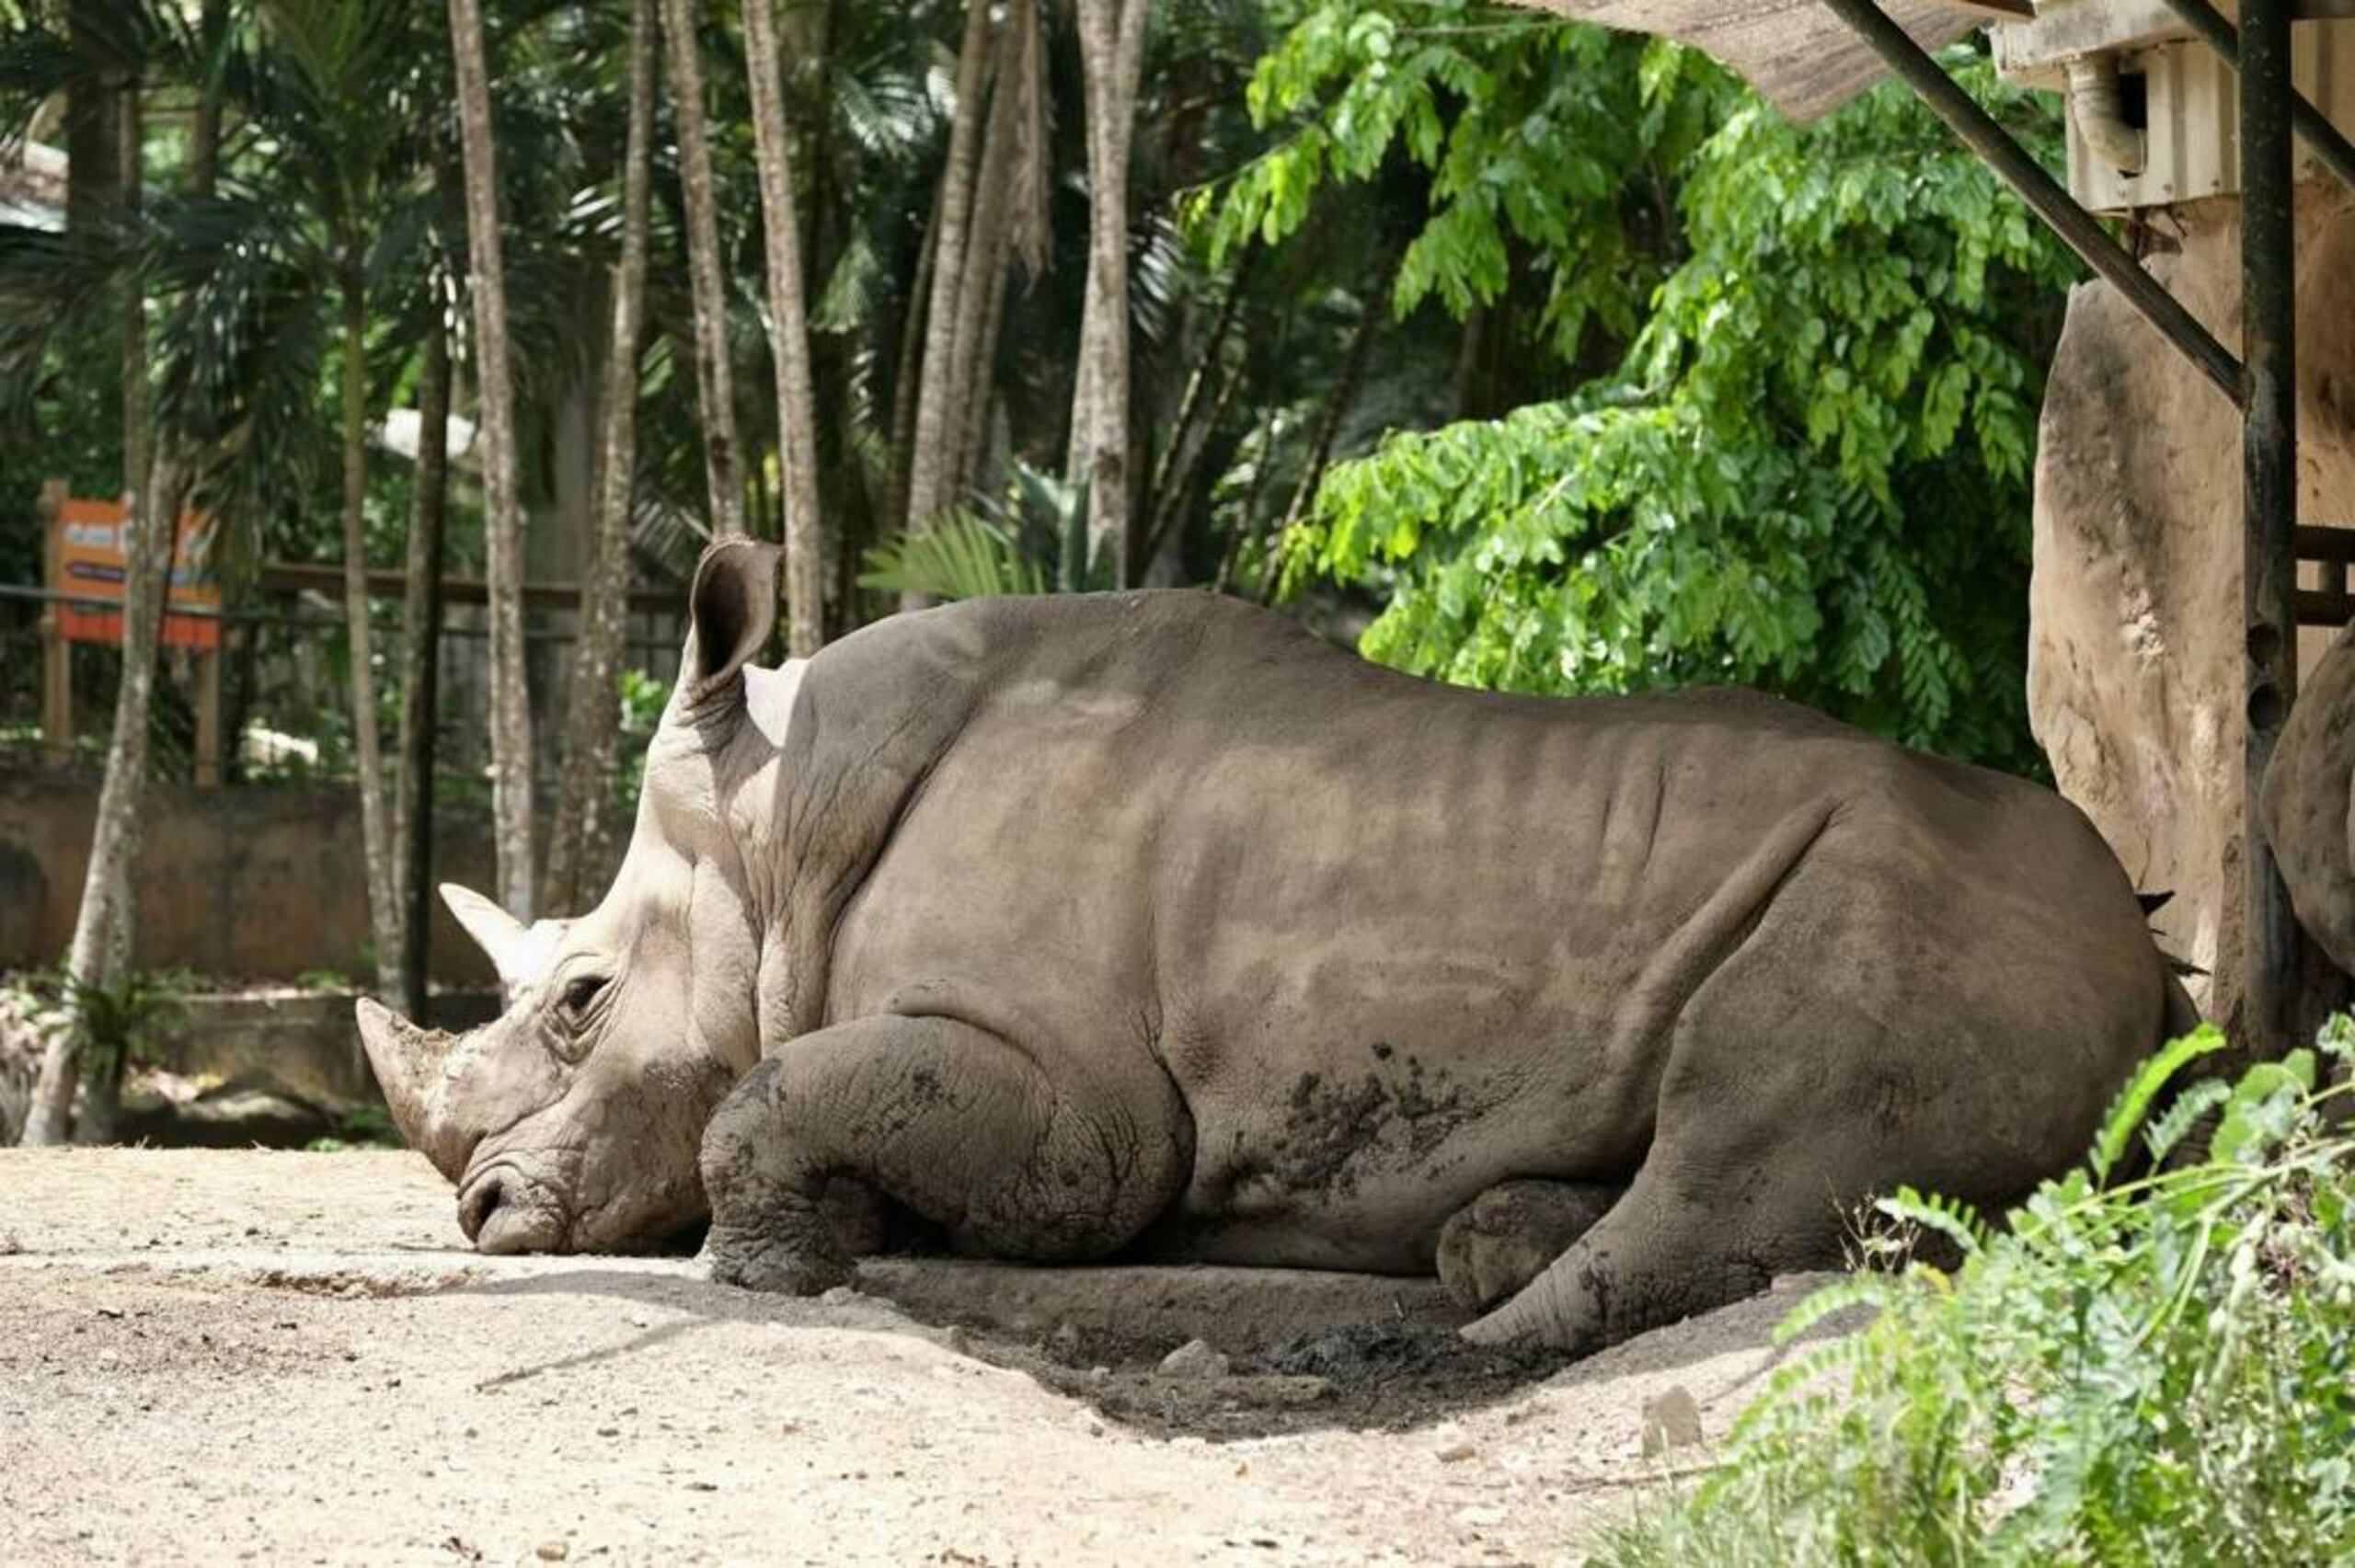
column 502, row 1212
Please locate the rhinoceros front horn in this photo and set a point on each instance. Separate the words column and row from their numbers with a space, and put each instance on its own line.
column 409, row 1060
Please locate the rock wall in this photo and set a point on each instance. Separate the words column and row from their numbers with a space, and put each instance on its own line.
column 2134, row 657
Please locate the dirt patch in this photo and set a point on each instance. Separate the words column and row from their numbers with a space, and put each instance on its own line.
column 280, row 1357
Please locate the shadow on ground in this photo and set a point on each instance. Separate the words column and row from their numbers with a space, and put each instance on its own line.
column 1401, row 1372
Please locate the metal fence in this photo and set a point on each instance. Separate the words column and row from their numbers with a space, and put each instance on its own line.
column 285, row 678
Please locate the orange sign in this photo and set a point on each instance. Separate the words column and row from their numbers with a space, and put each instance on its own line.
column 89, row 563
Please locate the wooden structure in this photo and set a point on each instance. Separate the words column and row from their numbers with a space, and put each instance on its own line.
column 1806, row 56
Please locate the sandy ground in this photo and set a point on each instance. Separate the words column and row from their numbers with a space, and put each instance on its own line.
column 290, row 1357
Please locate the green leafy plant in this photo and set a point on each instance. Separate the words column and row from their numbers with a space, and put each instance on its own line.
column 962, row 555
column 2145, row 1368
column 1017, row 541
column 1800, row 371
column 642, row 699
column 358, row 1126
column 119, row 1024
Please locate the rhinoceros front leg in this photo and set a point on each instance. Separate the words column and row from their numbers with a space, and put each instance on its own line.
column 947, row 1120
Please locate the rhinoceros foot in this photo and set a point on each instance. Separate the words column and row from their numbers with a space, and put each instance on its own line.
column 764, row 1264
column 1507, row 1236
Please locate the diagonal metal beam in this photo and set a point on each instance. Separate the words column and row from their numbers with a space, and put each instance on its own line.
column 2078, row 229
column 2329, row 144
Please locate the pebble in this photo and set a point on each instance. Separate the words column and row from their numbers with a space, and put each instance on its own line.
column 1195, row 1358
column 552, row 1550
column 838, row 1296
column 1455, row 1453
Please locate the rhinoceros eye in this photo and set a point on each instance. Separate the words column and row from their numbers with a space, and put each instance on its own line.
column 581, row 994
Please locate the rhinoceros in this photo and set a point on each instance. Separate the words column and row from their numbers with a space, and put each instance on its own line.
column 1148, row 926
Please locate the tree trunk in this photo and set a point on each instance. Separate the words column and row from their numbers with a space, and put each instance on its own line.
column 1111, row 48
column 796, row 424
column 986, row 257
column 420, row 673
column 375, row 827
column 907, row 375
column 204, row 135
column 102, row 128
column 715, row 380
column 511, row 702
column 579, row 847
column 1173, row 470
column 929, row 462
column 1328, row 423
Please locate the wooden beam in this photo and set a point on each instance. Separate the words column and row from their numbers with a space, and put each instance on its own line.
column 208, row 716
column 294, row 577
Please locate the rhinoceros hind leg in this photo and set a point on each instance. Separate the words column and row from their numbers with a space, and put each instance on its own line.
column 1671, row 1247
column 1506, row 1237
column 945, row 1121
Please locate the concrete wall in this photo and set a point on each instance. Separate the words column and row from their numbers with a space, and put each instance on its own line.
column 252, row 882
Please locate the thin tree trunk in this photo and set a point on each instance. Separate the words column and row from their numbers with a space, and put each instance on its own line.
column 907, row 377
column 103, row 128
column 375, row 827
column 580, row 846
column 928, row 462
column 420, row 670
column 204, row 136
column 511, row 702
column 1111, row 44
column 1328, row 423
column 1172, row 472
column 715, row 380
column 988, row 247
column 797, row 425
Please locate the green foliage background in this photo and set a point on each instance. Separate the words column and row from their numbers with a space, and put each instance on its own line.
column 1802, row 367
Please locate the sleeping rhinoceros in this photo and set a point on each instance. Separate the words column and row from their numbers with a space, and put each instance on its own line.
column 1148, row 925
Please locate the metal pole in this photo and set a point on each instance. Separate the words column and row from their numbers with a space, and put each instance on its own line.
column 2077, row 228
column 2269, row 498
column 2329, row 143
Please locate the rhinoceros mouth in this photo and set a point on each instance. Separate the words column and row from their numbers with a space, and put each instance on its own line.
column 503, row 1210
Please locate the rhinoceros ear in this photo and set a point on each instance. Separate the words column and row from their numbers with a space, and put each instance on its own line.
column 732, row 611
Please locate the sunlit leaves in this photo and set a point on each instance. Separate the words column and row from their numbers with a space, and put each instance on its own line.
column 1810, row 472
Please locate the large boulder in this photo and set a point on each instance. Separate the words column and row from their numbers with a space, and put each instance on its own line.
column 2134, row 657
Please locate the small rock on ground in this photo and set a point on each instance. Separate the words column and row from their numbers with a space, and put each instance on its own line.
column 1195, row 1358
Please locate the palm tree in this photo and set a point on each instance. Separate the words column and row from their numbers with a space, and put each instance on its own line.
column 578, row 843
column 715, row 380
column 928, row 458
column 510, row 705
column 107, row 50
column 1111, row 43
column 788, row 337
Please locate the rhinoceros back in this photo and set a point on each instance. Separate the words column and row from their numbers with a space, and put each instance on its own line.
column 1394, row 941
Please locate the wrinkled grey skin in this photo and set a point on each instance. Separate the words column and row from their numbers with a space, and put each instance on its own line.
column 1148, row 926
column 2308, row 806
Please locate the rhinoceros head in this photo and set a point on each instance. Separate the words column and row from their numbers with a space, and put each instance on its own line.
column 572, row 1122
